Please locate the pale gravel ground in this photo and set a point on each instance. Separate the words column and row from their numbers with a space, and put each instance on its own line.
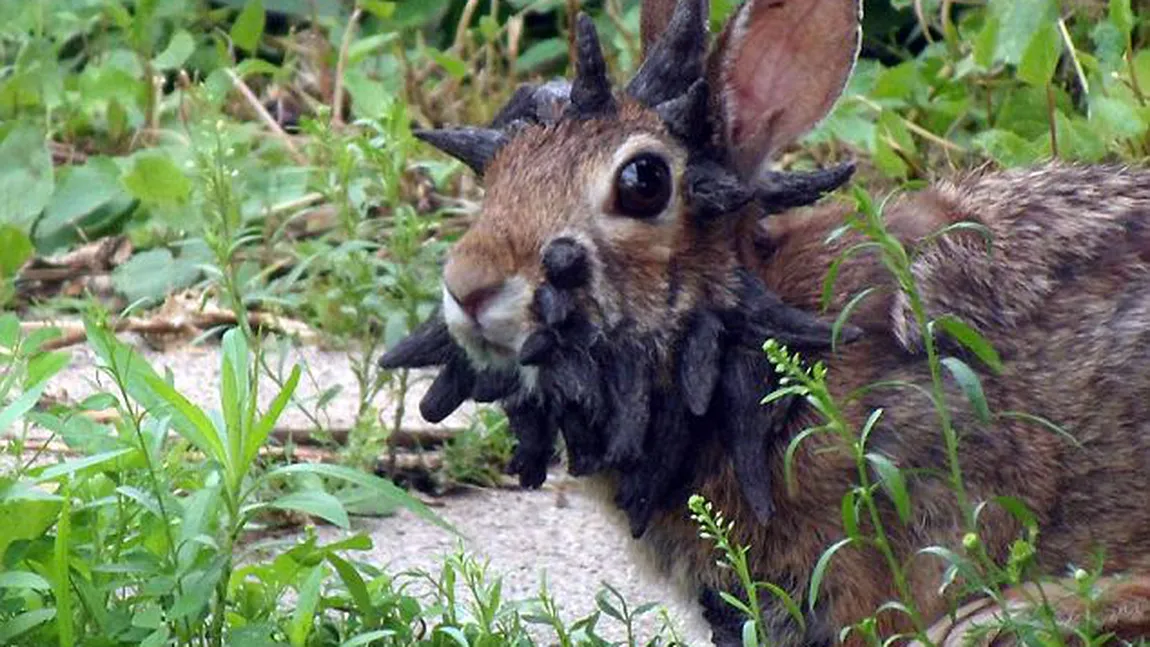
column 524, row 534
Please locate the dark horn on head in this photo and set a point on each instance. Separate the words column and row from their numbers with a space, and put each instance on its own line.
column 677, row 60
column 473, row 146
column 591, row 89
column 778, row 191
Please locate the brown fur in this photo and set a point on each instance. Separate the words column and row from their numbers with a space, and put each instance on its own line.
column 1066, row 300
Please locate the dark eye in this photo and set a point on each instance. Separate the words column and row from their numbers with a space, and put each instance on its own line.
column 643, row 186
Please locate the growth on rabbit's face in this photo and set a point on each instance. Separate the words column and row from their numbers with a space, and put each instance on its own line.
column 607, row 290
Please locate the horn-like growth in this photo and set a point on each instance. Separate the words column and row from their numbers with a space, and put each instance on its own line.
column 677, row 60
column 591, row 91
column 475, row 147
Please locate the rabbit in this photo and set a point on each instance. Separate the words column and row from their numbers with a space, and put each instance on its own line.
column 635, row 249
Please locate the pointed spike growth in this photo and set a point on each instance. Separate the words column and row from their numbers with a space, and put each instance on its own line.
column 591, row 89
column 430, row 344
column 677, row 60
column 686, row 115
column 778, row 192
column 475, row 147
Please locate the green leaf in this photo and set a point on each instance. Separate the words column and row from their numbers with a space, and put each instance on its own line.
column 155, row 178
column 153, row 274
column 23, row 580
column 356, row 587
column 820, row 570
column 850, row 514
column 26, row 178
column 540, row 54
column 971, row 339
column 1116, row 119
column 987, row 42
column 24, row 623
column 367, row 638
column 303, row 617
column 893, row 482
column 71, row 467
column 25, row 519
column 249, row 26
column 190, row 421
column 385, row 488
column 455, row 634
column 1040, row 57
column 259, row 434
column 179, row 49
column 16, row 409
column 841, row 320
column 1122, row 16
column 15, row 250
column 450, row 63
column 316, row 503
column 970, row 385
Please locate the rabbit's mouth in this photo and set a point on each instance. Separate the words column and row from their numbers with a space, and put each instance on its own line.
column 491, row 331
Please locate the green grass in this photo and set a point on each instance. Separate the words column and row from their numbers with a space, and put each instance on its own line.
column 206, row 135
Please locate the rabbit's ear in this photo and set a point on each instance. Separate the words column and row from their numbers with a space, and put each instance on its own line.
column 653, row 18
column 779, row 67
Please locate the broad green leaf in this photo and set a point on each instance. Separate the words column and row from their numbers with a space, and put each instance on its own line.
column 26, row 177
column 25, row 519
column 455, row 634
column 24, row 623
column 450, row 63
column 367, row 638
column 303, row 617
column 893, row 482
column 71, row 467
column 16, row 409
column 153, row 274
column 971, row 339
column 258, row 435
column 356, row 587
column 1116, row 119
column 190, row 421
column 155, row 178
column 15, row 250
column 23, row 580
column 970, row 384
column 384, row 487
column 541, row 54
column 179, row 48
column 1040, row 57
column 1122, row 16
column 987, row 43
column 249, row 26
column 316, row 503
column 45, row 366
column 820, row 570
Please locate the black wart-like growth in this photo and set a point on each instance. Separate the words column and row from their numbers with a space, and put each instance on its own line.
column 608, row 391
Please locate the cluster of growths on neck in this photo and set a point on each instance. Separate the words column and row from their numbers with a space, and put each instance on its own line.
column 620, row 405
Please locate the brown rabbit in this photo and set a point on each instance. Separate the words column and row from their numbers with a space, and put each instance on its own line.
column 634, row 251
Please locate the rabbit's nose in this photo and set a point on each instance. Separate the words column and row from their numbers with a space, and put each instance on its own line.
column 472, row 286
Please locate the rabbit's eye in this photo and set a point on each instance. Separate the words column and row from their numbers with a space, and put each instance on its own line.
column 643, row 186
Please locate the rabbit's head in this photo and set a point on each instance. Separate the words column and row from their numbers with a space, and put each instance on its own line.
column 602, row 292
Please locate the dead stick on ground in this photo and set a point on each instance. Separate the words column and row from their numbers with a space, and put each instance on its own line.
column 266, row 117
column 74, row 332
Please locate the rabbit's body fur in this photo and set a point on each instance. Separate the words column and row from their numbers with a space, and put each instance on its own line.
column 1065, row 299
column 634, row 252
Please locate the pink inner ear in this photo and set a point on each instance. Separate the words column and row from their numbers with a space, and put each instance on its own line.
column 786, row 63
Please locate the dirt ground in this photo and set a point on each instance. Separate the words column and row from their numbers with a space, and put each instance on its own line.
column 525, row 535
